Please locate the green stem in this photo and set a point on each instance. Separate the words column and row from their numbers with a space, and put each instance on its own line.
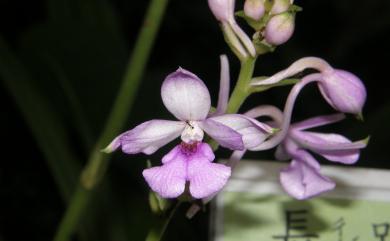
column 242, row 89
column 98, row 161
column 157, row 233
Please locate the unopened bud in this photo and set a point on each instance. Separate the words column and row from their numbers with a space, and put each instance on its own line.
column 280, row 6
column 223, row 10
column 344, row 91
column 280, row 28
column 254, row 9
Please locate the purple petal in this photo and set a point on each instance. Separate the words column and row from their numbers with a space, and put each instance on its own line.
column 224, row 86
column 253, row 132
column 333, row 147
column 302, row 181
column 206, row 178
column 185, row 96
column 326, row 141
column 294, row 151
column 147, row 137
column 281, row 154
column 318, row 121
column 224, row 135
column 169, row 179
column 205, row 150
column 344, row 91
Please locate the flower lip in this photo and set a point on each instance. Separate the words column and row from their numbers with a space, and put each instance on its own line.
column 188, row 164
column 188, row 149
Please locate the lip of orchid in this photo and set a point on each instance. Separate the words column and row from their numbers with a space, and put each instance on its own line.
column 190, row 164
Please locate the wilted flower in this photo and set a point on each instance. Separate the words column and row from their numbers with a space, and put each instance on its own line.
column 302, row 179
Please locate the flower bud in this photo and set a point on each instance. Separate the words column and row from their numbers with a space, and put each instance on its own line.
column 254, row 9
column 223, row 10
column 280, row 28
column 344, row 91
column 280, row 6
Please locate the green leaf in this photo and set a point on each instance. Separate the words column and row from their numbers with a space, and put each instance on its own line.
column 45, row 126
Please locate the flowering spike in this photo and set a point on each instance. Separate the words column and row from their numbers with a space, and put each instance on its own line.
column 254, row 9
column 280, row 28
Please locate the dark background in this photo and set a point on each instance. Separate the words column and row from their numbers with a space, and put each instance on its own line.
column 88, row 46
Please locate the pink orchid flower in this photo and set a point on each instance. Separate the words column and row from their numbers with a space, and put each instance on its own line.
column 188, row 99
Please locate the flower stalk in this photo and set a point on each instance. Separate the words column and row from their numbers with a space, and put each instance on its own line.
column 98, row 161
column 242, row 88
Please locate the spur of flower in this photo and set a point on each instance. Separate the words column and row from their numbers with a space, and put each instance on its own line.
column 188, row 99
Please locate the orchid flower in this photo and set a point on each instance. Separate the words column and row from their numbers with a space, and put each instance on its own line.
column 302, row 179
column 343, row 90
column 188, row 99
column 223, row 11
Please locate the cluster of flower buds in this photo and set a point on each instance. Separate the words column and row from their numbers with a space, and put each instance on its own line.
column 273, row 22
